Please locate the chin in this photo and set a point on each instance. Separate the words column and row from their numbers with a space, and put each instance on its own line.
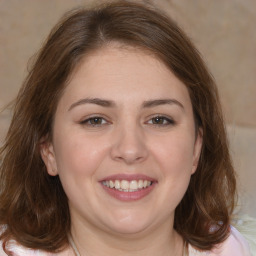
column 129, row 224
column 128, row 230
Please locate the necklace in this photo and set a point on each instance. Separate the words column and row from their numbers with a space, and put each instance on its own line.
column 185, row 249
column 74, row 248
column 73, row 245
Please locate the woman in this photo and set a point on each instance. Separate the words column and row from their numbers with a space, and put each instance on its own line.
column 117, row 144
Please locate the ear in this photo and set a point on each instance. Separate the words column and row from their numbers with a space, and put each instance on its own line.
column 48, row 156
column 197, row 149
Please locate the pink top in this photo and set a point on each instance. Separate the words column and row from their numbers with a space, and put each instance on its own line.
column 235, row 245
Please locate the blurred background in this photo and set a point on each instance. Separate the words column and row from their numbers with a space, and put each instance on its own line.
column 224, row 31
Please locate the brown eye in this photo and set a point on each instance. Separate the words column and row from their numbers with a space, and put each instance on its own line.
column 161, row 120
column 158, row 120
column 94, row 121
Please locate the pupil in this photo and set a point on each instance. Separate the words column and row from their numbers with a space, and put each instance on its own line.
column 158, row 120
column 96, row 120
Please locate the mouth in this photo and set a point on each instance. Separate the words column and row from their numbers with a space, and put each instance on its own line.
column 126, row 185
column 128, row 188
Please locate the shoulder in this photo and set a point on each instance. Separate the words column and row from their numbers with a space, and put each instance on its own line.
column 19, row 250
column 234, row 245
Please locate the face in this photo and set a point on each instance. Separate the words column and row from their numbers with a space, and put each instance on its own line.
column 124, row 143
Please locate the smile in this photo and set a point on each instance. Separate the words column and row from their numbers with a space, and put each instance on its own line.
column 127, row 186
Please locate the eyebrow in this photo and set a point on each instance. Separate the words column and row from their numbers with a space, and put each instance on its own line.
column 159, row 102
column 96, row 101
column 110, row 103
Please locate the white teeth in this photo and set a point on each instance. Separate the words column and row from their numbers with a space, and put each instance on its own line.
column 127, row 186
column 117, row 184
column 140, row 184
column 111, row 184
column 133, row 185
column 124, row 184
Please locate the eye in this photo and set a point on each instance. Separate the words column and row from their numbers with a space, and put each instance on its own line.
column 94, row 121
column 161, row 120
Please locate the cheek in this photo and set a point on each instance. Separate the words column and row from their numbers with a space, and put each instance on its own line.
column 175, row 154
column 78, row 156
column 78, row 160
column 174, row 158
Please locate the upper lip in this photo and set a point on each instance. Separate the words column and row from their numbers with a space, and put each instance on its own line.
column 128, row 177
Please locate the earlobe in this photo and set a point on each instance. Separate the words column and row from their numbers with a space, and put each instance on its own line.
column 48, row 156
column 197, row 149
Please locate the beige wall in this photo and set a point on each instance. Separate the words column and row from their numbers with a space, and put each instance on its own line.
column 223, row 30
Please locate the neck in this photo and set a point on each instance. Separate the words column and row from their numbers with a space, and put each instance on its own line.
column 159, row 241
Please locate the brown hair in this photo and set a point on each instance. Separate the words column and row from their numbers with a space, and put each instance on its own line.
column 33, row 205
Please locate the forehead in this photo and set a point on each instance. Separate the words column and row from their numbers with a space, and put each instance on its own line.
column 122, row 71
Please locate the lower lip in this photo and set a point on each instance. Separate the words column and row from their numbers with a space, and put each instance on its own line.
column 129, row 196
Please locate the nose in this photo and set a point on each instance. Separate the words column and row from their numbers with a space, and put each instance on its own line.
column 129, row 145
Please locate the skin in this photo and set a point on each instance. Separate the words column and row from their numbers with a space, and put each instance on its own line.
column 129, row 139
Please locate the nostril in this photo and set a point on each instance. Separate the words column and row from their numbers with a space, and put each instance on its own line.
column 128, row 146
column 129, row 156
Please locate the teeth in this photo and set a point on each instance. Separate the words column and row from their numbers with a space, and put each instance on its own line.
column 133, row 185
column 127, row 186
column 124, row 184
column 140, row 184
column 117, row 184
column 111, row 184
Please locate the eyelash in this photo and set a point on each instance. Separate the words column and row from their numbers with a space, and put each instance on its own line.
column 166, row 121
column 88, row 120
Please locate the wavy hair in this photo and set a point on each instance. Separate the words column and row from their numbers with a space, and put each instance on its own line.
column 33, row 205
